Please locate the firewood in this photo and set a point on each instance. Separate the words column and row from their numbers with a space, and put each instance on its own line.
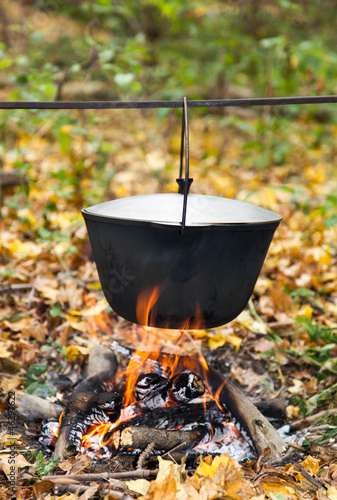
column 186, row 386
column 33, row 407
column 175, row 416
column 140, row 437
column 229, row 397
column 91, row 403
column 151, row 390
column 233, row 400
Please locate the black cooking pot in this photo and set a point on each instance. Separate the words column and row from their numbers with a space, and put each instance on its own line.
column 153, row 274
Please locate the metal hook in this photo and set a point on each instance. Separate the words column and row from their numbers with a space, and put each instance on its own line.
column 184, row 182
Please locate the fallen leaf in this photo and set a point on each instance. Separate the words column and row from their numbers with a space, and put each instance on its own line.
column 75, row 352
column 332, row 493
column 76, row 464
column 263, row 345
column 140, row 486
column 209, row 470
column 297, row 387
column 10, row 465
column 90, row 492
column 311, row 465
column 41, row 487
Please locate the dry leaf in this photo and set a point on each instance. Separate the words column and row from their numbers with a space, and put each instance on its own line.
column 90, row 492
column 311, row 465
column 76, row 464
column 8, row 464
column 140, row 486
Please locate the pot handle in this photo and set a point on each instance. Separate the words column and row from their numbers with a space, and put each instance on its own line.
column 184, row 182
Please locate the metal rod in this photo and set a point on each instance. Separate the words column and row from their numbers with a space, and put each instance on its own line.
column 182, row 146
column 207, row 103
column 187, row 165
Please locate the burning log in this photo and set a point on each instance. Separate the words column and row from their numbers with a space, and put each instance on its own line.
column 91, row 403
column 151, row 390
column 140, row 437
column 186, row 386
column 176, row 416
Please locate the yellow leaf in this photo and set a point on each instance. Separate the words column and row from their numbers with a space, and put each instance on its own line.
column 209, row 470
column 305, row 312
column 73, row 352
column 293, row 411
column 77, row 324
column 332, row 493
column 277, row 488
column 311, row 465
column 166, row 467
column 23, row 249
column 219, row 338
column 266, row 197
column 4, row 353
column 297, row 388
column 9, row 440
column 140, row 486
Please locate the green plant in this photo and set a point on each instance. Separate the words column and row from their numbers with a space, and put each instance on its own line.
column 43, row 468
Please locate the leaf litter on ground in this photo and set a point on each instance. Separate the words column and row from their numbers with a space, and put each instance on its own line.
column 285, row 342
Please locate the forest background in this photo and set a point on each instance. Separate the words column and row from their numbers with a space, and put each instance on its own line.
column 282, row 158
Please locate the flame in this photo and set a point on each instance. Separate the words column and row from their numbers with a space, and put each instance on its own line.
column 148, row 357
column 145, row 304
column 146, row 310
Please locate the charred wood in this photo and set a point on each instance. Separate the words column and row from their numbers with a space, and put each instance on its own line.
column 91, row 403
column 227, row 395
column 186, row 386
column 175, row 416
column 151, row 390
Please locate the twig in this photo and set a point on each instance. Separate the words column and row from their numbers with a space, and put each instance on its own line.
column 132, row 474
column 315, row 482
column 16, row 287
column 144, row 456
column 300, row 424
column 79, row 490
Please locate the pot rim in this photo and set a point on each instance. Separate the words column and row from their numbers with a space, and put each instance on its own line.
column 202, row 211
column 205, row 227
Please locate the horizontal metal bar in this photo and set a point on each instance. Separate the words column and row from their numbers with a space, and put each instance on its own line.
column 208, row 103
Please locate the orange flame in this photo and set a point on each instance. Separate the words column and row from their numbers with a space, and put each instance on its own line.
column 147, row 358
column 145, row 304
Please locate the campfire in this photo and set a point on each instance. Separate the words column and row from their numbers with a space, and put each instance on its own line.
column 144, row 400
column 157, row 401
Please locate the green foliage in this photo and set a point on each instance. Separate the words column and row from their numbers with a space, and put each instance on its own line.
column 44, row 468
column 36, row 383
column 148, row 48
